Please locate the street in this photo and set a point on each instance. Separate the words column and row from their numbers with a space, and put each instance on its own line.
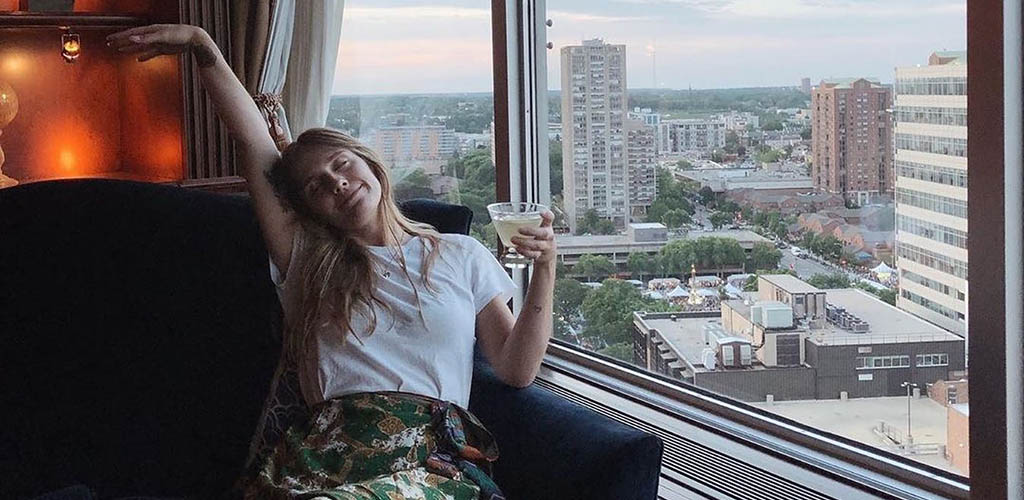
column 805, row 268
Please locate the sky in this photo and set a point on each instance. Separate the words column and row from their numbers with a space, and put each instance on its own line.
column 440, row 46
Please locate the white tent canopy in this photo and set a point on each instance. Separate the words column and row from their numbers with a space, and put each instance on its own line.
column 678, row 291
column 882, row 268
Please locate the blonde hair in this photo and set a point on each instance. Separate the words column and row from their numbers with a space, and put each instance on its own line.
column 336, row 272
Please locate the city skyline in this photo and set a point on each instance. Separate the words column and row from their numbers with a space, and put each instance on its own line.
column 704, row 44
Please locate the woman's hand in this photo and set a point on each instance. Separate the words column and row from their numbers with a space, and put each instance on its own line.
column 165, row 39
column 537, row 243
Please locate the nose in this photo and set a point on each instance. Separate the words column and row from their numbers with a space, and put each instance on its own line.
column 341, row 185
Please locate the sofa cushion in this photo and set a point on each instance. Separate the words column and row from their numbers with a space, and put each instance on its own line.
column 137, row 324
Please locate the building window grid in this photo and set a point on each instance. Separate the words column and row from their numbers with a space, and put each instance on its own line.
column 932, row 284
column 948, row 146
column 932, row 173
column 934, row 307
column 932, row 231
column 928, row 258
column 939, row 359
column 941, row 85
column 876, row 362
column 935, row 203
column 931, row 115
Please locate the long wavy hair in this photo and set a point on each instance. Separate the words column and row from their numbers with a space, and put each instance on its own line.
column 337, row 277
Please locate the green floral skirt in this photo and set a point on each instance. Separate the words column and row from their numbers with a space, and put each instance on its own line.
column 380, row 445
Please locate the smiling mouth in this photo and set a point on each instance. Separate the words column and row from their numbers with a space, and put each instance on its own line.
column 351, row 198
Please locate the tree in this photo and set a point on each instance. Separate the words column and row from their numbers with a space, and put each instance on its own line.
column 414, row 185
column 772, row 124
column 569, row 296
column 828, row 246
column 592, row 266
column 639, row 264
column 677, row 257
column 555, row 162
column 675, row 218
column 808, row 240
column 888, row 296
column 717, row 156
column 836, row 280
column 622, row 351
column 768, row 155
column 764, row 256
column 805, row 134
column 706, row 195
column 732, row 142
column 609, row 311
column 719, row 219
column 684, row 165
column 594, row 224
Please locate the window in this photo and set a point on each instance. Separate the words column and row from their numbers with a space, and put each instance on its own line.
column 933, row 360
column 429, row 114
column 668, row 323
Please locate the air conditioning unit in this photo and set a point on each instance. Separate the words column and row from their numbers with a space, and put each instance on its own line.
column 745, row 354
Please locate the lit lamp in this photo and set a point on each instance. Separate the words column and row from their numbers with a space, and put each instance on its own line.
column 8, row 108
column 70, row 46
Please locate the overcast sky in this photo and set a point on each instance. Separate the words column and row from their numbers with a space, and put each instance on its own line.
column 390, row 46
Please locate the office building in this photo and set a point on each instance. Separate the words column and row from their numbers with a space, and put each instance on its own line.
column 931, row 189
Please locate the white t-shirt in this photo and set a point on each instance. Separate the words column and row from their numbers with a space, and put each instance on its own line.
column 430, row 355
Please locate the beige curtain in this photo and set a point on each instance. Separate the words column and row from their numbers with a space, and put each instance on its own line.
column 314, row 55
column 261, row 33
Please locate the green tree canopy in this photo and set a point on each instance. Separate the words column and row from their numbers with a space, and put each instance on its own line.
column 764, row 256
column 676, row 218
column 719, row 219
column 569, row 295
column 594, row 266
column 835, row 280
column 609, row 311
column 594, row 224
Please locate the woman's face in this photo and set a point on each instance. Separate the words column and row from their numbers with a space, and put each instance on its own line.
column 338, row 186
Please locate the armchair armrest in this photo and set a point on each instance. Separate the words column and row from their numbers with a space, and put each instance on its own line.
column 553, row 448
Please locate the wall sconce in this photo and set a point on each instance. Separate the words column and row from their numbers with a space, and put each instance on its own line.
column 70, row 46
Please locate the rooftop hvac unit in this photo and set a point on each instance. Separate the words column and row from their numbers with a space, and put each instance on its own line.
column 787, row 349
column 757, row 314
column 728, row 359
column 708, row 358
column 745, row 354
column 861, row 327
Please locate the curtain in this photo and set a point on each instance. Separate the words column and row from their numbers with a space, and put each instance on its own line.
column 261, row 37
column 317, row 34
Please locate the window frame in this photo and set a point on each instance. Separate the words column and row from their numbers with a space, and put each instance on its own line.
column 522, row 175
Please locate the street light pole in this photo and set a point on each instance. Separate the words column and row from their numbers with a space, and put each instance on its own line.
column 908, row 385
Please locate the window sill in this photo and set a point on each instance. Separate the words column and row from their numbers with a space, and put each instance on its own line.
column 711, row 443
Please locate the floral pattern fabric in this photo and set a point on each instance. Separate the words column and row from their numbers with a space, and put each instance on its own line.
column 380, row 445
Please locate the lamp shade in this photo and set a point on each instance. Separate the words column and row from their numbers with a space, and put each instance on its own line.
column 8, row 104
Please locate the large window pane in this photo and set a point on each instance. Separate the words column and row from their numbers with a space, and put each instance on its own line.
column 741, row 187
column 413, row 82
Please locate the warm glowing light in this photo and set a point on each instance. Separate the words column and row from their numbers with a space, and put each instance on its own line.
column 12, row 65
column 67, row 160
column 71, row 47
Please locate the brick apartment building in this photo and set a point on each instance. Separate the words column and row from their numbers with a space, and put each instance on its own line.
column 851, row 139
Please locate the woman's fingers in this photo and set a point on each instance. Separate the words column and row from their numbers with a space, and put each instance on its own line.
column 141, row 30
column 149, row 54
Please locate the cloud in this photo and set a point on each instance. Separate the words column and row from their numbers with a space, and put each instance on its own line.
column 815, row 9
column 582, row 17
column 404, row 14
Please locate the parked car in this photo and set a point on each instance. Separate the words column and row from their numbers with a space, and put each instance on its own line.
column 780, row 244
column 797, row 252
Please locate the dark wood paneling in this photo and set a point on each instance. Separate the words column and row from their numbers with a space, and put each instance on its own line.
column 986, row 267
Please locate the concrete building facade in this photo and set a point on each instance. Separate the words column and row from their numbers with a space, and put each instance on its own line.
column 931, row 189
column 851, row 138
column 428, row 147
column 594, row 110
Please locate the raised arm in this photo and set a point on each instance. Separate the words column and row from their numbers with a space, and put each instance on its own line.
column 236, row 109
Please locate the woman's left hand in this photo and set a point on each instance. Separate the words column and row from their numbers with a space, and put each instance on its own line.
column 537, row 243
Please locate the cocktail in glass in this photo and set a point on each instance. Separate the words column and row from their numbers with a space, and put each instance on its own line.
column 508, row 218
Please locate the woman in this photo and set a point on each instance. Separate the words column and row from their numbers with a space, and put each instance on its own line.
column 381, row 312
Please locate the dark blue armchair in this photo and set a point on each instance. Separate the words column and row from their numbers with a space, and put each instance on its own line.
column 139, row 331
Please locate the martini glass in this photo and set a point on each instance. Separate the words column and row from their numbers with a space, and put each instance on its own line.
column 508, row 218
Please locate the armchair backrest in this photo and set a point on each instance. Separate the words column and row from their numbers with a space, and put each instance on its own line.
column 138, row 328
